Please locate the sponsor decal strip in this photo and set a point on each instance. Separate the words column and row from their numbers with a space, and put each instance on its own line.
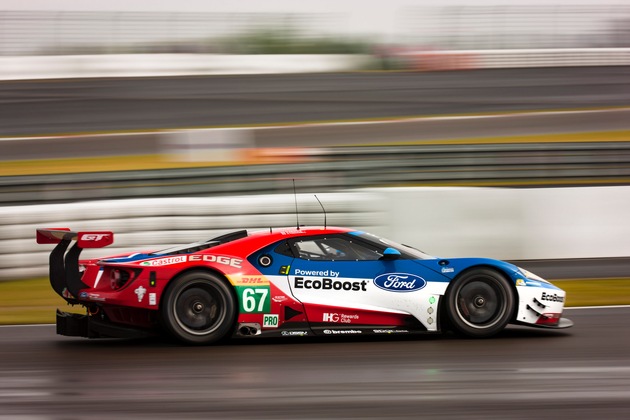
column 399, row 282
column 317, row 273
column 140, row 292
column 340, row 318
column 248, row 280
column 552, row 297
column 329, row 284
column 295, row 333
column 219, row 259
column 165, row 261
column 271, row 320
column 333, row 332
column 390, row 331
column 232, row 262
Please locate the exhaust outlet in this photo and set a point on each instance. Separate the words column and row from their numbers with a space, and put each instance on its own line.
column 249, row 329
column 245, row 331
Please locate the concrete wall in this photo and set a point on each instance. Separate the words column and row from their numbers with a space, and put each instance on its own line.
column 536, row 223
column 153, row 65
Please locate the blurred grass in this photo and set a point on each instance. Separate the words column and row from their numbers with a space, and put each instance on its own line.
column 92, row 164
column 596, row 292
column 30, row 302
column 34, row 301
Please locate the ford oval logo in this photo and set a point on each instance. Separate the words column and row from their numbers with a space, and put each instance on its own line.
column 399, row 282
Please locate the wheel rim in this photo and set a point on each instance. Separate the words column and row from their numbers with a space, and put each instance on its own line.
column 481, row 303
column 199, row 309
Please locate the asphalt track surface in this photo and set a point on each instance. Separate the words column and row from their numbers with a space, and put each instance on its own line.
column 438, row 129
column 579, row 373
column 92, row 105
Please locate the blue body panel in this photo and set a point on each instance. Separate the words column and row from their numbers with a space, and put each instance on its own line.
column 453, row 267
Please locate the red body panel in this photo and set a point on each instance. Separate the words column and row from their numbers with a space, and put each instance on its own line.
column 149, row 278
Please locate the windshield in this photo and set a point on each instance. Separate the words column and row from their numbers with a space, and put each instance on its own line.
column 404, row 249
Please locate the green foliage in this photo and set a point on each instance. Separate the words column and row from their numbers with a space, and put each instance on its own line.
column 290, row 42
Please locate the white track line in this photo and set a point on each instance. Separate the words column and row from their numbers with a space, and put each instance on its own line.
column 446, row 118
column 335, row 124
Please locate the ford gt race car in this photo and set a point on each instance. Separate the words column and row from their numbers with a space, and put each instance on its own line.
column 300, row 281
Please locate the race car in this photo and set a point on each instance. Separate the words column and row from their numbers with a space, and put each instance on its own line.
column 290, row 282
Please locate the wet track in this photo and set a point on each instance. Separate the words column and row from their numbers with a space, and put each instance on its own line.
column 580, row 373
column 583, row 372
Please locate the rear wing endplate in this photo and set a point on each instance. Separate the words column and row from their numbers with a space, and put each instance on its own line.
column 65, row 277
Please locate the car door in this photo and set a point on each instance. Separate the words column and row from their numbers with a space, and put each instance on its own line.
column 344, row 283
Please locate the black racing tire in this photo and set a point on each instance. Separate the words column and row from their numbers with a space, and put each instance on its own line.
column 480, row 303
column 199, row 308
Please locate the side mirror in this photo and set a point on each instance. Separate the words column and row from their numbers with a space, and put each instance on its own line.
column 391, row 254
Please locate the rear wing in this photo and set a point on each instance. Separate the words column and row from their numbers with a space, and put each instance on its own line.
column 91, row 239
column 65, row 277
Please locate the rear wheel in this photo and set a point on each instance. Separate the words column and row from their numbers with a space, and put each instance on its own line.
column 480, row 303
column 199, row 308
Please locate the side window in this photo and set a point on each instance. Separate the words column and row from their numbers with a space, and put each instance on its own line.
column 285, row 249
column 334, row 248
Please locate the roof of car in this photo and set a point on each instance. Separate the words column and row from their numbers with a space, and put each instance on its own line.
column 260, row 238
column 302, row 230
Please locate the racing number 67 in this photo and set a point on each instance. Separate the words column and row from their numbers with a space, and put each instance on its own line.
column 254, row 299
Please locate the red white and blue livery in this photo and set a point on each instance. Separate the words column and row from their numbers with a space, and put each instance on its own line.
column 290, row 282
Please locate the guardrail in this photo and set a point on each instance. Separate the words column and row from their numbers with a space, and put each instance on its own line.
column 513, row 58
column 158, row 223
column 512, row 224
column 330, row 169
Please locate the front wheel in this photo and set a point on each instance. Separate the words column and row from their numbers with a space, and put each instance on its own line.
column 480, row 303
column 198, row 308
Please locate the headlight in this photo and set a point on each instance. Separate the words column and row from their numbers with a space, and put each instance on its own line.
column 532, row 276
